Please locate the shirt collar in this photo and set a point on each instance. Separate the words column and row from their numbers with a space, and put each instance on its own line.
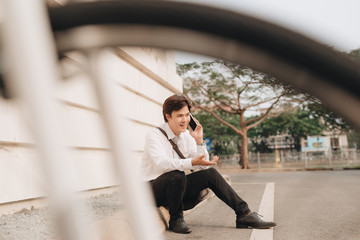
column 170, row 133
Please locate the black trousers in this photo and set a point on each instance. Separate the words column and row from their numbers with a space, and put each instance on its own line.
column 175, row 189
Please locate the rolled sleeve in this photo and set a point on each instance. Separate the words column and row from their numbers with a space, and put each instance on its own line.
column 187, row 164
column 196, row 151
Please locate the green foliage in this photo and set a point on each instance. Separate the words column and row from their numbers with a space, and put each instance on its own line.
column 292, row 124
column 331, row 120
column 354, row 139
column 311, row 120
column 302, row 123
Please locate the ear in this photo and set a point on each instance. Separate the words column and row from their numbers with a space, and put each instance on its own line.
column 168, row 117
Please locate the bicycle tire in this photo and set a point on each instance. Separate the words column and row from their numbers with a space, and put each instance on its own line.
column 319, row 66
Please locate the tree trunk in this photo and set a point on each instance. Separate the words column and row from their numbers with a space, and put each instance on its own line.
column 244, row 142
column 244, row 150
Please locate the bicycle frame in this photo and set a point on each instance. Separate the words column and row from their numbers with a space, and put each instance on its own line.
column 27, row 33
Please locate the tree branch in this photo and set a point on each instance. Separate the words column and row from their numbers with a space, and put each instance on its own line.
column 219, row 118
column 260, row 119
column 238, row 100
column 261, row 102
column 224, row 105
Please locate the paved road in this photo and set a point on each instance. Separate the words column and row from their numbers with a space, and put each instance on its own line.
column 307, row 205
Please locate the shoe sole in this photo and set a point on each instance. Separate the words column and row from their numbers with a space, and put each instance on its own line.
column 180, row 232
column 246, row 226
column 187, row 232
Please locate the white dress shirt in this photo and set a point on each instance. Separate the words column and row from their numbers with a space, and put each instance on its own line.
column 159, row 157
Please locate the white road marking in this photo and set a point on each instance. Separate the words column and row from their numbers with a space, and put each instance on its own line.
column 266, row 209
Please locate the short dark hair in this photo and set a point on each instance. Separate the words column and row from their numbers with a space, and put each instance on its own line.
column 175, row 103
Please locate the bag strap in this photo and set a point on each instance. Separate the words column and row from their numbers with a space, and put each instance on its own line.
column 175, row 147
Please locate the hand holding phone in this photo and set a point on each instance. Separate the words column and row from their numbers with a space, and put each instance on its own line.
column 196, row 130
column 192, row 123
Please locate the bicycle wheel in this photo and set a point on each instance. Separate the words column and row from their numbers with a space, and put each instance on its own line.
column 288, row 56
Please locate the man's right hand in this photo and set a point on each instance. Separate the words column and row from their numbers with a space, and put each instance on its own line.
column 200, row 160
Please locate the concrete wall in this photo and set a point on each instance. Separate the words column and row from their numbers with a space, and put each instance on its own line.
column 143, row 76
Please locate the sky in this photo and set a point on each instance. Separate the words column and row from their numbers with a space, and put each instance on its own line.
column 333, row 22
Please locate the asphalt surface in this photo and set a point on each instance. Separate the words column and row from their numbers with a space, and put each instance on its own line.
column 308, row 205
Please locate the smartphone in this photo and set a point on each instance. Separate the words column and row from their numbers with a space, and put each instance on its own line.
column 192, row 123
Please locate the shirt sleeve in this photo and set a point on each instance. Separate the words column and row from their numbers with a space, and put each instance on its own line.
column 196, row 150
column 159, row 151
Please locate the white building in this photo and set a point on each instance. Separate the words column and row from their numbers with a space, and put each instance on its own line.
column 326, row 143
column 144, row 77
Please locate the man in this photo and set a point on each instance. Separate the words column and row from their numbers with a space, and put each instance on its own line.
column 164, row 168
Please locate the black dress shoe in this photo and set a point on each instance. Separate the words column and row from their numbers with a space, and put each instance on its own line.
column 253, row 221
column 179, row 226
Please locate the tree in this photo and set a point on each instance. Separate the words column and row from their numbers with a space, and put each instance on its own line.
column 220, row 86
column 331, row 121
column 259, row 134
column 301, row 123
column 313, row 118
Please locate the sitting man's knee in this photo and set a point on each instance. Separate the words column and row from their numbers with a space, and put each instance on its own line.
column 212, row 171
column 212, row 174
column 177, row 177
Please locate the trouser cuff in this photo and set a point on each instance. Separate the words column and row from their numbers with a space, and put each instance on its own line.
column 239, row 215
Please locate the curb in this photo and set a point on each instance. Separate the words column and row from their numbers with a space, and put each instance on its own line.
column 239, row 170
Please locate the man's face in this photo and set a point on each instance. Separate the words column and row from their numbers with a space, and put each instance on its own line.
column 179, row 120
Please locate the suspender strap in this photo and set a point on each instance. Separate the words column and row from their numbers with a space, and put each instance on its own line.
column 175, row 147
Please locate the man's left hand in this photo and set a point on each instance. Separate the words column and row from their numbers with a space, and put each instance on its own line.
column 198, row 133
